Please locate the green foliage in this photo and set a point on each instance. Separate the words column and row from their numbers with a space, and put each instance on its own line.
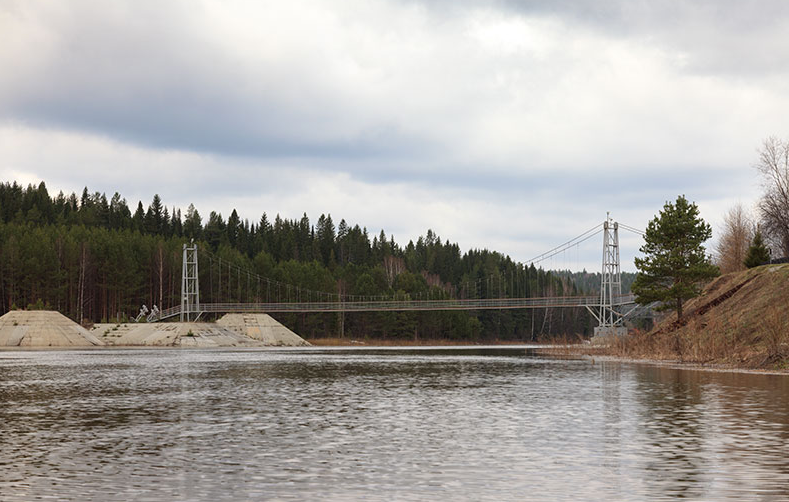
column 675, row 263
column 758, row 254
column 38, row 305
column 92, row 258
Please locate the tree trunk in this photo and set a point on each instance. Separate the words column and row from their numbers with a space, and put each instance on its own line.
column 81, row 300
column 161, row 277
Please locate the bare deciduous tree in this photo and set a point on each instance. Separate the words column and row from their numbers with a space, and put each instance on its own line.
column 393, row 266
column 735, row 237
column 773, row 165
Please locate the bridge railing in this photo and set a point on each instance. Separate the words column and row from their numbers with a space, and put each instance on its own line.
column 170, row 312
column 404, row 305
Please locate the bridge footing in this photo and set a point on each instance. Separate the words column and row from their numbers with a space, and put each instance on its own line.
column 608, row 334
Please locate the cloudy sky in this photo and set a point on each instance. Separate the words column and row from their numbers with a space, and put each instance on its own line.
column 511, row 125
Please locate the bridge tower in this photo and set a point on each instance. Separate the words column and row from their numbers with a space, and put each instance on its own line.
column 609, row 318
column 190, row 283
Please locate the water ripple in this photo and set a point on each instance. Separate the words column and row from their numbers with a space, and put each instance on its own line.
column 495, row 424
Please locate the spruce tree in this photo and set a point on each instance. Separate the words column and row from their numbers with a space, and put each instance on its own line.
column 138, row 220
column 675, row 262
column 758, row 254
column 155, row 222
column 193, row 224
column 232, row 228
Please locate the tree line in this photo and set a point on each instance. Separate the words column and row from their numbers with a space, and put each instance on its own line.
column 754, row 236
column 675, row 263
column 94, row 259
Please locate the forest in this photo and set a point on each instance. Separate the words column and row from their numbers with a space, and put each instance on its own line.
column 95, row 259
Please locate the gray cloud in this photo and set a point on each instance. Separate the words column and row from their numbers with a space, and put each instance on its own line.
column 165, row 77
column 547, row 106
column 716, row 37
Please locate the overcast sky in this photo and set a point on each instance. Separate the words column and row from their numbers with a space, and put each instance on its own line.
column 510, row 125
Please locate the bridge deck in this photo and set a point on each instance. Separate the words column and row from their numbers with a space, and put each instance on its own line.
column 403, row 305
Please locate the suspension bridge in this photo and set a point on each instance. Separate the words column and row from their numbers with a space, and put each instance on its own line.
column 610, row 308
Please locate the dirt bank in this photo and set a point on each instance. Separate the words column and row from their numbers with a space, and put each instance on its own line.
column 740, row 321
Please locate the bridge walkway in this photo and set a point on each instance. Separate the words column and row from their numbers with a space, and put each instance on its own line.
column 402, row 305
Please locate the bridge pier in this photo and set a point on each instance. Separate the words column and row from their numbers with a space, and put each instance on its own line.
column 190, row 285
column 609, row 318
column 607, row 334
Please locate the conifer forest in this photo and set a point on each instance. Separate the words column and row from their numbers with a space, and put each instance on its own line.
column 96, row 259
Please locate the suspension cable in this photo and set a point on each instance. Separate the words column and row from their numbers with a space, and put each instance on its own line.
column 478, row 283
column 632, row 229
column 567, row 245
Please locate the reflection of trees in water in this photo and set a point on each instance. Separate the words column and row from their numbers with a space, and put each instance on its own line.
column 714, row 433
column 752, row 419
column 671, row 418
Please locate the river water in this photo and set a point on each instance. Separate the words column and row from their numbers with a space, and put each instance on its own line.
column 383, row 424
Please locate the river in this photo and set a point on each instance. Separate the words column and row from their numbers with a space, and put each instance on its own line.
column 383, row 424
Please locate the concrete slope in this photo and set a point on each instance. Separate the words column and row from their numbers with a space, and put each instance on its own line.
column 172, row 334
column 262, row 327
column 43, row 328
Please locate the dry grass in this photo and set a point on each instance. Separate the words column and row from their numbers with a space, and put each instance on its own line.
column 742, row 320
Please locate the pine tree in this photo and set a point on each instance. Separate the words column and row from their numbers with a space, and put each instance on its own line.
column 675, row 262
column 103, row 212
column 138, row 220
column 758, row 254
column 232, row 228
column 325, row 238
column 155, row 223
column 214, row 230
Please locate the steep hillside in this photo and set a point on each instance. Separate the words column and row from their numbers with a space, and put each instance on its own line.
column 741, row 319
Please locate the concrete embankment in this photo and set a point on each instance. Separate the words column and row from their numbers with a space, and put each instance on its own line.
column 43, row 328
column 171, row 334
column 232, row 330
column 35, row 329
column 262, row 327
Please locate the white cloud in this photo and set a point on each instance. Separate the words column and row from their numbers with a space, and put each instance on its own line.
column 497, row 127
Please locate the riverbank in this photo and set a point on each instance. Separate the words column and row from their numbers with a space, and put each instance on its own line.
column 740, row 321
column 596, row 354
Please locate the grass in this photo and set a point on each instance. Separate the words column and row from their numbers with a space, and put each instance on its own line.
column 741, row 321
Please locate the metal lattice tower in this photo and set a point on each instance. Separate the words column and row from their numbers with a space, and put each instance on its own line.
column 190, row 284
column 611, row 282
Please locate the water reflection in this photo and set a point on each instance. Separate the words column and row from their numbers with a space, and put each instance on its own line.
column 481, row 424
column 670, row 415
column 702, row 436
